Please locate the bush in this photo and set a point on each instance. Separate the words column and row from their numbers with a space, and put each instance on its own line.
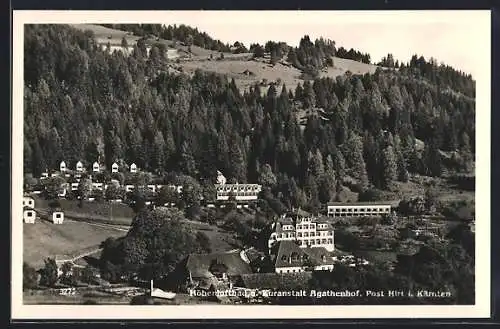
column 30, row 277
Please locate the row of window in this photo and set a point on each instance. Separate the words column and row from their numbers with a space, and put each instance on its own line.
column 358, row 209
column 238, row 193
column 241, row 188
column 305, row 234
column 313, row 242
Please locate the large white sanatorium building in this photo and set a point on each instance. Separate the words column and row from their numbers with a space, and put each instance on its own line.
column 307, row 231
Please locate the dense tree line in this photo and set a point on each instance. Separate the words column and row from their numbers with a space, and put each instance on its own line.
column 82, row 103
column 441, row 75
column 181, row 33
column 353, row 54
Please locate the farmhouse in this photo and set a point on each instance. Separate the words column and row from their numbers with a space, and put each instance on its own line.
column 203, row 271
column 29, row 215
column 291, row 258
column 57, row 217
column 305, row 231
column 28, row 202
column 358, row 209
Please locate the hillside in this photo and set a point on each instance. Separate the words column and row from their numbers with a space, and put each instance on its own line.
column 241, row 67
column 376, row 128
column 44, row 239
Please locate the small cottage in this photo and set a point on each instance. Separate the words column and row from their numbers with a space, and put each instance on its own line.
column 79, row 167
column 95, row 167
column 133, row 168
column 114, row 167
column 29, row 215
column 62, row 166
column 57, row 217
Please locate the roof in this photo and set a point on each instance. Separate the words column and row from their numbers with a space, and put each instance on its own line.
column 291, row 255
column 28, row 208
column 274, row 280
column 382, row 203
column 199, row 264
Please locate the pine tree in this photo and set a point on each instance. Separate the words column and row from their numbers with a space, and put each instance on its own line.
column 355, row 160
column 390, row 168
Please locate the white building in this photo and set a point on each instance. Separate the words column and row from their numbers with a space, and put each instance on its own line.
column 57, row 217
column 79, row 167
column 96, row 167
column 114, row 167
column 74, row 186
column 306, row 231
column 241, row 192
column 62, row 166
column 29, row 215
column 358, row 209
column 133, row 168
column 28, row 202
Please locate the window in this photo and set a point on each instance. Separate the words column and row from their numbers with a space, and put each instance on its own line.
column 323, row 241
column 306, row 234
column 283, row 257
column 30, row 213
column 299, row 235
column 330, row 241
column 58, row 215
column 318, row 241
column 312, row 242
column 299, row 227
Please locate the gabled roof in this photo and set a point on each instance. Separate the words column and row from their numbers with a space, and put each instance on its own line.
column 199, row 264
column 274, row 280
column 291, row 255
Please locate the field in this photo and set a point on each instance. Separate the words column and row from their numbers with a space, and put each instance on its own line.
column 43, row 239
column 103, row 212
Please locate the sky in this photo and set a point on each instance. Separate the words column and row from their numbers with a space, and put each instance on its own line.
column 453, row 37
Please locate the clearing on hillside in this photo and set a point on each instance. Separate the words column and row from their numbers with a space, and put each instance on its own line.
column 43, row 239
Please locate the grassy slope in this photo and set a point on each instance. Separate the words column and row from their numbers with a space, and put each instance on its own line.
column 234, row 65
column 43, row 239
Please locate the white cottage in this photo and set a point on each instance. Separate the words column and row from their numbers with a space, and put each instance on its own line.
column 62, row 166
column 133, row 168
column 57, row 217
column 95, row 167
column 28, row 202
column 79, row 167
column 114, row 167
column 29, row 215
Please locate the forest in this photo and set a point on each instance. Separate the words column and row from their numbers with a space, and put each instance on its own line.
column 82, row 103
